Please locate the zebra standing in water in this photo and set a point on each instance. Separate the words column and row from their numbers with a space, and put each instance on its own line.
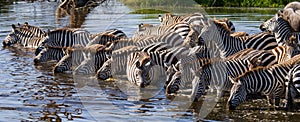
column 227, row 45
column 23, row 36
column 268, row 80
column 292, row 86
column 96, row 56
column 139, row 67
column 73, row 57
column 49, row 53
column 61, row 38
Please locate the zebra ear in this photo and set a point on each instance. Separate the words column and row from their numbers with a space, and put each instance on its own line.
column 160, row 18
column 140, row 27
column 279, row 13
column 254, row 63
column 148, row 63
column 25, row 23
column 13, row 26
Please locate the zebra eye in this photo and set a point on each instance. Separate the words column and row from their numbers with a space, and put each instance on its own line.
column 138, row 65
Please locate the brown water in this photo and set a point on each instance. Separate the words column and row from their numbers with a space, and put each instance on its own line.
column 31, row 92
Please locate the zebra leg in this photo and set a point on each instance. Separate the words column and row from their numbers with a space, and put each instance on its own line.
column 290, row 94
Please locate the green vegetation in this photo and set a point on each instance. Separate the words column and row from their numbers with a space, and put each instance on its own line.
column 244, row 3
column 148, row 11
column 208, row 3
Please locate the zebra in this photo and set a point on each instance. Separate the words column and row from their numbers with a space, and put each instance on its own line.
column 135, row 69
column 107, row 36
column 66, row 37
column 283, row 31
column 228, row 45
column 193, row 63
column 49, row 53
column 73, row 57
column 268, row 80
column 22, row 36
column 145, row 61
column 181, row 28
column 104, row 72
column 267, row 58
column 97, row 55
column 216, row 75
column 292, row 86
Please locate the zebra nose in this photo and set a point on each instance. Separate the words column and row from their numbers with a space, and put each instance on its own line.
column 172, row 89
column 57, row 70
column 35, row 60
column 5, row 43
column 231, row 107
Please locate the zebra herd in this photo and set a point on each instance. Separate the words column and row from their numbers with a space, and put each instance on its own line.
column 192, row 51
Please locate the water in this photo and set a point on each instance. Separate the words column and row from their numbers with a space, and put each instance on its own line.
column 31, row 92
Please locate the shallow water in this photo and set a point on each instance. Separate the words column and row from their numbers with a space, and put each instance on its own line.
column 31, row 92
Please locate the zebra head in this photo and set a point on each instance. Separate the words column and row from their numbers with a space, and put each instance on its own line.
column 198, row 88
column 49, row 53
column 11, row 38
column 41, row 55
column 175, row 83
column 268, row 25
column 238, row 93
column 142, row 71
column 105, row 71
column 65, row 63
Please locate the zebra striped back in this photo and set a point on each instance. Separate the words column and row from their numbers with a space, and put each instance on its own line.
column 268, row 80
column 67, row 37
column 195, row 63
column 181, row 28
column 191, row 19
column 119, row 34
column 38, row 32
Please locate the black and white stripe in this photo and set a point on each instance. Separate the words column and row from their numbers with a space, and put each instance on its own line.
column 22, row 36
column 267, row 80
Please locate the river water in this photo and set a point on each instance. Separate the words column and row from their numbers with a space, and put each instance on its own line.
column 31, row 92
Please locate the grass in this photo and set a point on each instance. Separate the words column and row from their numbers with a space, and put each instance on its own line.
column 148, row 11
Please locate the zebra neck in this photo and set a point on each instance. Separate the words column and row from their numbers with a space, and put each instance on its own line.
column 229, row 45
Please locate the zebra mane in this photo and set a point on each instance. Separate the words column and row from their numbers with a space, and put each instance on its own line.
column 221, row 24
column 74, row 30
